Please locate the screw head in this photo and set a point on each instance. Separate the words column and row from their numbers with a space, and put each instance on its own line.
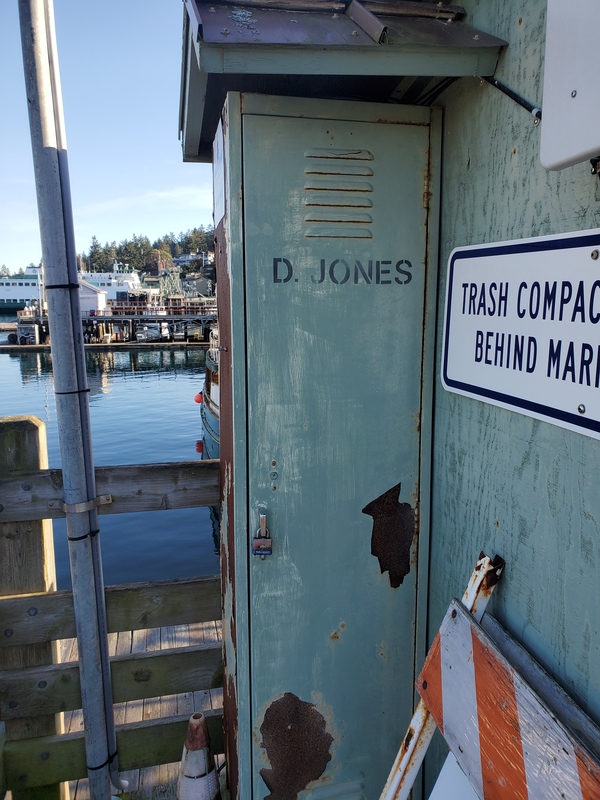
column 595, row 254
column 8, row 632
column 32, row 612
column 574, row 93
column 26, row 486
column 581, row 408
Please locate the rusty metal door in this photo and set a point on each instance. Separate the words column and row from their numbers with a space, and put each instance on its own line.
column 335, row 214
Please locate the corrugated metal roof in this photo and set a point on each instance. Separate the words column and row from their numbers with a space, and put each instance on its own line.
column 315, row 48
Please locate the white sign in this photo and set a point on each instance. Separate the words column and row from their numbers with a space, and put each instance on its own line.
column 522, row 327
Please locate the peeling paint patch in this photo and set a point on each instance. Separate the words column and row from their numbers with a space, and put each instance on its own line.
column 393, row 531
column 297, row 744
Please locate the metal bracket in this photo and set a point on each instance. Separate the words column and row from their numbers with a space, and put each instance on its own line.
column 80, row 508
column 367, row 21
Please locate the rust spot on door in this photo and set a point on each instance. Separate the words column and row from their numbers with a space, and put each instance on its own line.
column 297, row 744
column 393, row 531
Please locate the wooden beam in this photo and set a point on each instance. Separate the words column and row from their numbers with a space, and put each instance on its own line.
column 27, row 559
column 40, row 617
column 51, row 759
column 133, row 487
column 54, row 688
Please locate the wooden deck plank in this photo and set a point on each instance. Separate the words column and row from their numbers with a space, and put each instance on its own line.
column 159, row 782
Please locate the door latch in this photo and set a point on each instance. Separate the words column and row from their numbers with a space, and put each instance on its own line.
column 261, row 544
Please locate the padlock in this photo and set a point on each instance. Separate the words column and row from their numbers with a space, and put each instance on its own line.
column 261, row 544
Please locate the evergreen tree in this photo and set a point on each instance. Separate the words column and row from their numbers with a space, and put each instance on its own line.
column 95, row 258
column 138, row 253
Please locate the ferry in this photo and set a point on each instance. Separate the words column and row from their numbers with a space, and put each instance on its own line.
column 114, row 283
column 22, row 291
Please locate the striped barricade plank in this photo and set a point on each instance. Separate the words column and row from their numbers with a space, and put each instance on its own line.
column 506, row 740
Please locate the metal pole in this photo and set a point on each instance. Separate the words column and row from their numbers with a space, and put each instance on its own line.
column 70, row 384
column 83, row 399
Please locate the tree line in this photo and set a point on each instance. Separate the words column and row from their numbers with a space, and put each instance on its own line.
column 139, row 253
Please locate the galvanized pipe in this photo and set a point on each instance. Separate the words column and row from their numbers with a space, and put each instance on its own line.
column 70, row 383
column 82, row 380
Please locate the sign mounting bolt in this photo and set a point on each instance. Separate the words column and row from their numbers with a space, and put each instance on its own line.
column 581, row 408
column 595, row 254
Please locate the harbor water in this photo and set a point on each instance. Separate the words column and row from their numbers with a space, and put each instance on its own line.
column 142, row 411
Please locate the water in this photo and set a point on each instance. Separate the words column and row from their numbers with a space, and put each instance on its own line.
column 142, row 411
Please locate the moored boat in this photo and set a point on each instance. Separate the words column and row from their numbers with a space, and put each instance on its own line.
column 210, row 399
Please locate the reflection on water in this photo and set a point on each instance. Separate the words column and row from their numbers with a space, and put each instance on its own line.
column 122, row 362
column 142, row 411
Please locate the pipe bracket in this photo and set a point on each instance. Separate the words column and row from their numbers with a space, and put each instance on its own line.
column 81, row 508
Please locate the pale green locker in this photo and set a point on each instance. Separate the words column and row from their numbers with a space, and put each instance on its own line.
column 328, row 273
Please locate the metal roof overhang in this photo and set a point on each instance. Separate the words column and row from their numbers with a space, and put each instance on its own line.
column 323, row 54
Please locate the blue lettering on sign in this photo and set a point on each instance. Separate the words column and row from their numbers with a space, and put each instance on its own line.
column 342, row 271
column 508, row 350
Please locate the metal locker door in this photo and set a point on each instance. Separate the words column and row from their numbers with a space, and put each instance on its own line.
column 335, row 251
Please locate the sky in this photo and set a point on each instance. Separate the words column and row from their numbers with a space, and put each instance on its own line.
column 120, row 63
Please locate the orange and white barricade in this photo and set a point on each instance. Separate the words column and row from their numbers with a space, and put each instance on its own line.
column 509, row 742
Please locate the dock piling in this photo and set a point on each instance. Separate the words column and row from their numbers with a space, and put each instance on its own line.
column 27, row 556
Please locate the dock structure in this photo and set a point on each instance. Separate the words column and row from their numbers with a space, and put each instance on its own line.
column 148, row 783
column 164, row 637
column 124, row 326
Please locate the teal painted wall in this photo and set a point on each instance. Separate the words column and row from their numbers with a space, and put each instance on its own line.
column 503, row 482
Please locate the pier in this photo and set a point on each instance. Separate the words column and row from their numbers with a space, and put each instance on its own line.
column 164, row 637
column 132, row 328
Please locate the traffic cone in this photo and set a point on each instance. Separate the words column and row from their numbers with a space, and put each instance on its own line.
column 198, row 779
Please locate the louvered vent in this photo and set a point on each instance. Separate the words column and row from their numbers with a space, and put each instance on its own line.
column 338, row 192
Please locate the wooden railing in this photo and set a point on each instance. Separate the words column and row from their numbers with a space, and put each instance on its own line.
column 34, row 620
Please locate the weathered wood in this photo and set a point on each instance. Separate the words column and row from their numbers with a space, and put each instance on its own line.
column 27, row 559
column 402, row 8
column 50, row 759
column 54, row 688
column 3, row 786
column 40, row 617
column 37, row 494
column 553, row 695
